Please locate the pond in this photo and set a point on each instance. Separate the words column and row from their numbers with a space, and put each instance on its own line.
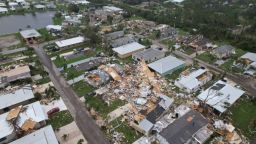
column 13, row 23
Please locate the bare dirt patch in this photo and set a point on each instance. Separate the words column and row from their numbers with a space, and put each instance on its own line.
column 8, row 41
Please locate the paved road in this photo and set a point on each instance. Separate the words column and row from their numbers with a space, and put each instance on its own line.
column 249, row 84
column 86, row 124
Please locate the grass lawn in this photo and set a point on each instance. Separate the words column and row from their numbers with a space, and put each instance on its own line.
column 168, row 42
column 82, row 88
column 72, row 73
column 207, row 57
column 227, row 66
column 243, row 114
column 123, row 61
column 123, row 127
column 43, row 80
column 60, row 119
column 239, row 53
column 175, row 74
column 61, row 61
column 188, row 50
column 182, row 32
column 57, row 20
column 46, row 36
column 101, row 106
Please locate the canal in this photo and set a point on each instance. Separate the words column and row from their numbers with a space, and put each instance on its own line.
column 14, row 23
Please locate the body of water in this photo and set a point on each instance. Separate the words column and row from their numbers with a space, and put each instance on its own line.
column 12, row 23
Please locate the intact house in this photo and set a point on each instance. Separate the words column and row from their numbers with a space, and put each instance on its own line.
column 127, row 50
column 184, row 130
column 76, row 53
column 76, row 41
column 114, row 35
column 21, row 120
column 3, row 10
column 40, row 6
column 220, row 96
column 148, row 55
column 122, row 41
column 249, row 60
column 15, row 98
column 146, row 125
column 113, row 9
column 192, row 81
column 72, row 20
column 224, row 51
column 30, row 36
column 54, row 28
column 43, row 135
column 81, row 2
column 18, row 73
column 167, row 65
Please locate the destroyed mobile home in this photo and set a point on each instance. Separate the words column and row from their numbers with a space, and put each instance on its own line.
column 151, row 107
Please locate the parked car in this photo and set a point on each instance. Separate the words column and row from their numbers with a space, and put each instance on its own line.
column 53, row 111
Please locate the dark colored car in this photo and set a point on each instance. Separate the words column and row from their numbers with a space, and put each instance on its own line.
column 53, row 111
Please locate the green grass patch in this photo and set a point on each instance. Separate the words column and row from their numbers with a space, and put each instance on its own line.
column 46, row 36
column 60, row 119
column 188, row 50
column 182, row 32
column 168, row 42
column 227, row 66
column 239, row 53
column 101, row 106
column 243, row 115
column 43, row 80
column 82, row 88
column 130, row 134
column 61, row 61
column 72, row 73
column 57, row 20
column 207, row 57
column 175, row 74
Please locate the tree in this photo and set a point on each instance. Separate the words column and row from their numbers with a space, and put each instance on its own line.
column 65, row 137
column 91, row 33
column 73, row 8
column 80, row 141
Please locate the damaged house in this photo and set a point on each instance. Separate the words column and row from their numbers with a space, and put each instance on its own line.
column 220, row 96
column 22, row 119
column 184, row 130
column 11, row 75
column 15, row 98
column 97, row 78
column 43, row 135
column 192, row 81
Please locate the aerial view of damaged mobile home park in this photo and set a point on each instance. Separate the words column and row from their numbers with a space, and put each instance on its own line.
column 127, row 72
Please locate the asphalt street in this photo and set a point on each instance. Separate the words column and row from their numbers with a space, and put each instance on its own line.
column 84, row 121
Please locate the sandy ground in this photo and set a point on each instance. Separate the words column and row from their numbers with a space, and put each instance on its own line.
column 7, row 41
column 73, row 132
column 42, row 88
